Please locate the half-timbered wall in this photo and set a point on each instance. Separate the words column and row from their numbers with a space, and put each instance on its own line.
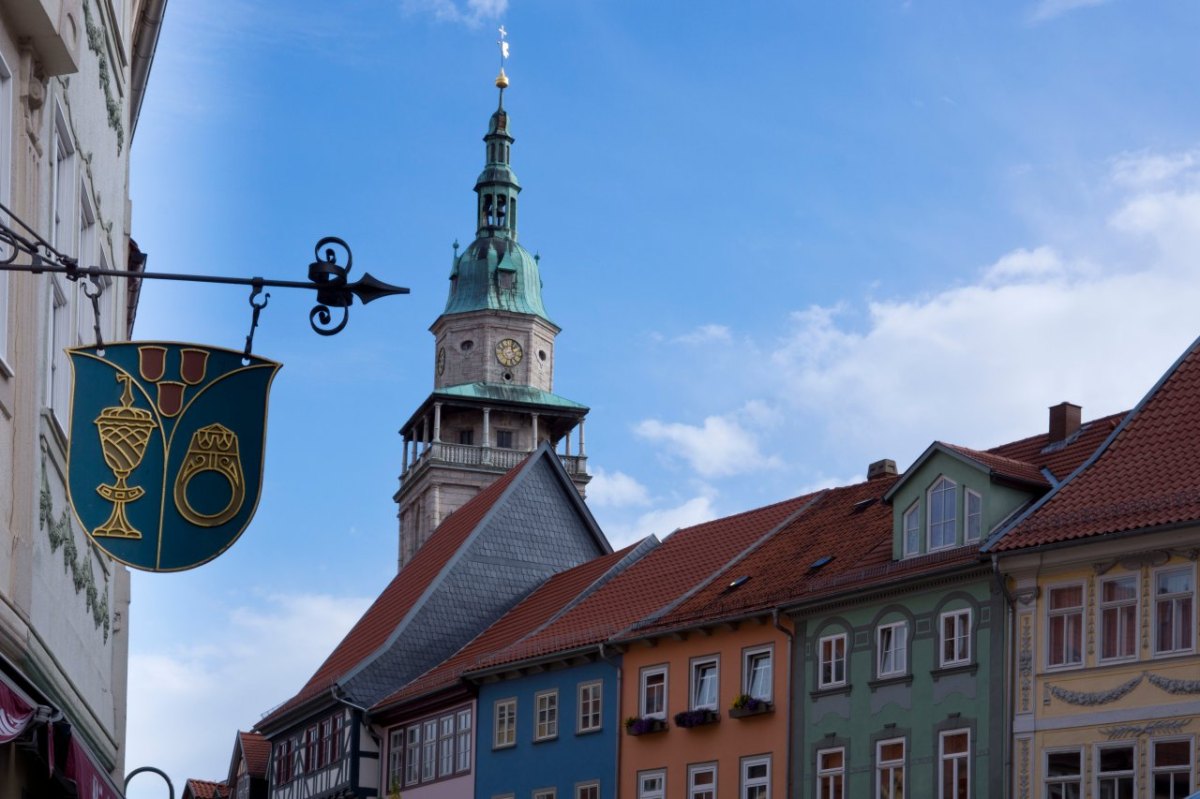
column 431, row 755
column 315, row 760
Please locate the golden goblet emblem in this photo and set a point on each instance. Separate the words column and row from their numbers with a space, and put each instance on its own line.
column 124, row 433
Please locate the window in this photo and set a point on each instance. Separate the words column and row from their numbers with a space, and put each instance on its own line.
column 912, row 530
column 57, row 369
column 756, row 672
column 429, row 739
column 1114, row 771
column 889, row 769
column 464, row 740
column 1118, row 617
column 702, row 781
column 956, row 637
column 395, row 761
column 955, row 756
column 466, row 437
column 446, row 745
column 652, row 784
column 504, row 439
column 546, row 705
column 62, row 185
column 6, row 131
column 654, row 692
column 1064, row 775
column 588, row 790
column 505, row 732
column 974, row 528
column 589, row 707
column 831, row 774
column 1064, row 646
column 892, row 642
column 1171, row 768
column 311, row 742
column 704, row 684
column 942, row 500
column 412, row 752
column 756, row 778
column 832, row 661
column 543, row 793
column 1173, row 615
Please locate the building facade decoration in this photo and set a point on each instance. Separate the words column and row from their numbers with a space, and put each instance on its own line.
column 1094, row 698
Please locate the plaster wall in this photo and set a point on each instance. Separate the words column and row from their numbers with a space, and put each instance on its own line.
column 725, row 742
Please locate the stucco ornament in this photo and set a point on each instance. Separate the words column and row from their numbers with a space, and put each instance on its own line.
column 1092, row 698
column 1173, row 686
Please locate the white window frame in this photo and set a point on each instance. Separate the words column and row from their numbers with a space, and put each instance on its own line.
column 412, row 755
column 1066, row 781
column 952, row 521
column 644, row 708
column 899, row 650
column 545, row 709
column 831, row 780
column 429, row 752
column 1078, row 613
column 1171, row 770
column 464, row 730
column 62, row 183
column 910, row 530
column 7, row 126
column 832, row 641
column 1174, row 599
column 704, row 791
column 446, row 739
column 588, row 790
column 968, row 495
column 959, row 642
column 1120, row 607
column 545, row 793
column 591, row 706
column 652, row 784
column 504, row 723
column 1130, row 774
column 890, row 768
column 746, row 782
column 58, row 395
column 750, row 657
column 697, row 668
column 959, row 764
column 395, row 761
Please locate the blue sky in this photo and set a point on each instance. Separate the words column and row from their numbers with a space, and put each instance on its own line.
column 782, row 239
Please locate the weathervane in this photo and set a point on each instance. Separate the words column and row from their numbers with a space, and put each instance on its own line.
column 502, row 79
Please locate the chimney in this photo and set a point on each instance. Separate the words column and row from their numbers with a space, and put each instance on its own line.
column 883, row 468
column 1065, row 418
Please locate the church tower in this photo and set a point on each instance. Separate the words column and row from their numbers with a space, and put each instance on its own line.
column 493, row 383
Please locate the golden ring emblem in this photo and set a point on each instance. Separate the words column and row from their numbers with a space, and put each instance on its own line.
column 212, row 449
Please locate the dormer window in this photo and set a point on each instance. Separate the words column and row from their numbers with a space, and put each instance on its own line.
column 942, row 501
column 912, row 530
column 974, row 528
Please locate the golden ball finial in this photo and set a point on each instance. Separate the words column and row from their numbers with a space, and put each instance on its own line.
column 502, row 80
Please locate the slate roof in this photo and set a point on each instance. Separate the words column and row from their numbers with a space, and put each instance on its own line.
column 1146, row 475
column 205, row 789
column 557, row 595
column 256, row 750
column 657, row 581
column 372, row 630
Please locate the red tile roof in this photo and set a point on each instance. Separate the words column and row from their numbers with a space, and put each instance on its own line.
column 204, row 789
column 851, row 525
column 1147, row 476
column 1064, row 457
column 526, row 617
column 686, row 558
column 1003, row 467
column 401, row 594
column 257, row 752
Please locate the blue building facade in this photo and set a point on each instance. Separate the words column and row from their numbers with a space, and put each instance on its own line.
column 551, row 734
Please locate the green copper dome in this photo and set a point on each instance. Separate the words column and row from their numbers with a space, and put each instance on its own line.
column 494, row 272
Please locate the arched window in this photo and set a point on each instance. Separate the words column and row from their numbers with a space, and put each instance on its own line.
column 943, row 501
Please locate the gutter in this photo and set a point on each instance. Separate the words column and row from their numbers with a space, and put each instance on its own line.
column 616, row 791
column 1010, row 604
column 144, row 47
column 788, row 693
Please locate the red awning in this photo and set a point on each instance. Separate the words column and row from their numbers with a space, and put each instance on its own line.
column 91, row 781
column 15, row 713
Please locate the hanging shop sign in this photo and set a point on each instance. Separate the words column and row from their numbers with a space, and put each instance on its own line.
column 165, row 460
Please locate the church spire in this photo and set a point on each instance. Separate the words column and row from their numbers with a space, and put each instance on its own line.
column 497, row 186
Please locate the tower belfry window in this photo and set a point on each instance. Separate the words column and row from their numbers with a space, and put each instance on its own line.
column 501, row 210
column 486, row 215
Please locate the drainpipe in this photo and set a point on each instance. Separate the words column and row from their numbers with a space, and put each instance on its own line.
column 787, row 755
column 617, row 760
column 1010, row 604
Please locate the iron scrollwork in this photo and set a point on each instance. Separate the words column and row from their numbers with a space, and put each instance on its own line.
column 333, row 290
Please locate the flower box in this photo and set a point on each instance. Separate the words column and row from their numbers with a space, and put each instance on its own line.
column 696, row 718
column 644, row 726
column 755, row 707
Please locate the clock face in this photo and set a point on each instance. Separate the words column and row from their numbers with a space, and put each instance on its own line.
column 508, row 352
column 441, row 361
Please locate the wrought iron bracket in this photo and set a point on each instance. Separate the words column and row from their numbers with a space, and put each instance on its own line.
column 326, row 276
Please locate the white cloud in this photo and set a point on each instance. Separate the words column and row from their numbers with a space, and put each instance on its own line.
column 207, row 691
column 475, row 12
column 1049, row 9
column 1146, row 169
column 615, row 490
column 718, row 448
column 662, row 522
column 705, row 334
